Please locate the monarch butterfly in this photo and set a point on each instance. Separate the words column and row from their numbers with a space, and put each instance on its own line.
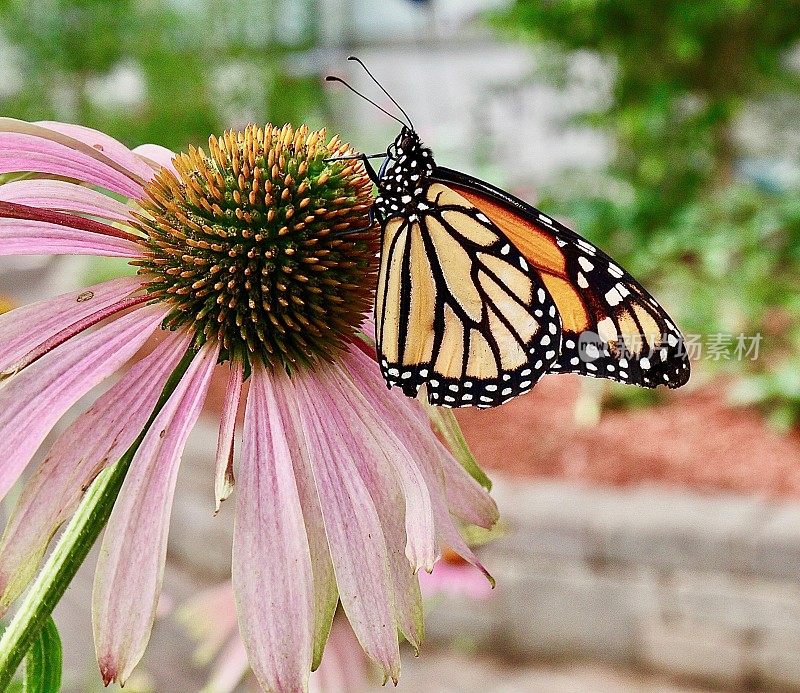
column 480, row 294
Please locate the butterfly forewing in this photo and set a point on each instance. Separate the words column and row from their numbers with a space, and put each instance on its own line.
column 611, row 326
column 458, row 308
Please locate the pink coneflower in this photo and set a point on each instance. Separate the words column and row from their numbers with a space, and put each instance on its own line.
column 256, row 257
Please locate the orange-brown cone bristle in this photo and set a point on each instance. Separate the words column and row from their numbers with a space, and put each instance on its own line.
column 263, row 245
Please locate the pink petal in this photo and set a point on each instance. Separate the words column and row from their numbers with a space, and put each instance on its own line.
column 466, row 498
column 75, row 329
column 272, row 573
column 156, row 156
column 343, row 668
column 353, row 526
column 457, row 580
column 326, row 594
column 28, row 327
column 385, row 444
column 112, row 150
column 397, row 512
column 210, row 618
column 97, row 438
column 35, row 399
column 230, row 669
column 20, row 152
column 411, row 425
column 28, row 237
column 131, row 562
column 66, row 197
column 223, row 479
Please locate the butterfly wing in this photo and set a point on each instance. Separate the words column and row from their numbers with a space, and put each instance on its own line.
column 458, row 307
column 612, row 327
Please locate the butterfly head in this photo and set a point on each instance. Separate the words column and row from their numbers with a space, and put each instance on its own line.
column 408, row 147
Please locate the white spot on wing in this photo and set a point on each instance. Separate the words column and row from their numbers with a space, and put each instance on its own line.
column 613, row 297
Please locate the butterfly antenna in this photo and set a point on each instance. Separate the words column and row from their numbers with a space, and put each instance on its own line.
column 331, row 78
column 383, row 89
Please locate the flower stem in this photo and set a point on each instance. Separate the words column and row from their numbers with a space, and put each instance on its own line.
column 72, row 548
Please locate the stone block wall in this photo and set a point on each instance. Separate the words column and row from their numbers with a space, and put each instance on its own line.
column 701, row 588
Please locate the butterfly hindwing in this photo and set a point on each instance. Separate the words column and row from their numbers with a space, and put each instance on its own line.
column 611, row 326
column 459, row 309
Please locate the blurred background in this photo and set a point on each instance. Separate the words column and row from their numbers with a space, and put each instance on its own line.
column 651, row 540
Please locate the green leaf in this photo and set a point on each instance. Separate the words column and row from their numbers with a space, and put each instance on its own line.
column 72, row 548
column 446, row 423
column 43, row 662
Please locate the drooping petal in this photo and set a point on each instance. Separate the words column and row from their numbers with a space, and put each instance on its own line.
column 343, row 668
column 66, row 197
column 381, row 444
column 223, row 478
column 272, row 574
column 326, row 593
column 20, row 153
column 35, row 399
column 131, row 562
column 352, row 524
column 466, row 497
column 26, row 328
column 378, row 455
column 460, row 580
column 97, row 438
column 106, row 145
column 156, row 156
column 412, row 425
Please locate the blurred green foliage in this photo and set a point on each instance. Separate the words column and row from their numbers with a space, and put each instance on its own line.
column 154, row 70
column 673, row 204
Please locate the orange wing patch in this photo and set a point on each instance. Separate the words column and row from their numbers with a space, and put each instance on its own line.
column 541, row 251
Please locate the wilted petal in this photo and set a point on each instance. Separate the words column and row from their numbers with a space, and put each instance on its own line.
column 66, row 197
column 223, row 478
column 35, row 399
column 353, row 526
column 271, row 571
column 24, row 329
column 157, row 155
column 116, row 153
column 97, row 438
column 131, row 562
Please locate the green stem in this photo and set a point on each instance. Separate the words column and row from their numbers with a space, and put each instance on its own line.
column 72, row 548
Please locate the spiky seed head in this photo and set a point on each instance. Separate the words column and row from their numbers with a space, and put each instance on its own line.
column 263, row 245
